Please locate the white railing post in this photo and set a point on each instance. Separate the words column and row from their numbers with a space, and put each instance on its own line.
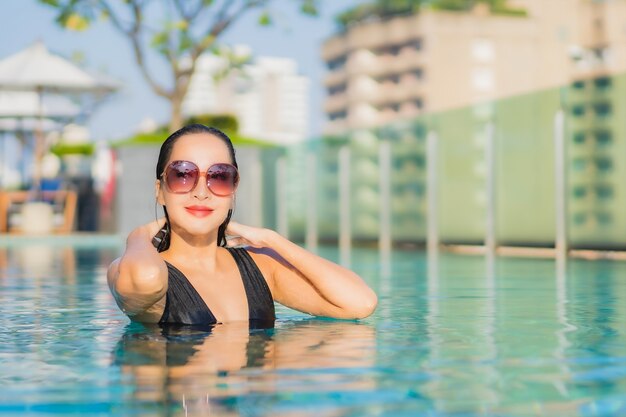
column 345, row 227
column 282, row 220
column 311, row 210
column 384, row 164
column 490, row 159
column 560, row 202
column 432, row 231
column 257, row 189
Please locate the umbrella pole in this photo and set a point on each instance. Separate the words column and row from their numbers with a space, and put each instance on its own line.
column 4, row 168
column 39, row 148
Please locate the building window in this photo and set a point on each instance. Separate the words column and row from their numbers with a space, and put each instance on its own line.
column 483, row 50
column 338, row 115
column 396, row 48
column 579, row 164
column 602, row 83
column 578, row 110
column 578, row 85
column 580, row 191
column 336, row 63
column 336, row 89
column 600, row 53
column 482, row 79
column 603, row 137
column 604, row 164
column 604, row 191
column 579, row 138
column 393, row 78
column 602, row 109
column 389, row 107
column 419, row 103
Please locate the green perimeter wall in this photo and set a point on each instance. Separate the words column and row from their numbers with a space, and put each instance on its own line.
column 595, row 122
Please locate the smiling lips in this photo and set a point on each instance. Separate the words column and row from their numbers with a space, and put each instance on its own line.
column 199, row 211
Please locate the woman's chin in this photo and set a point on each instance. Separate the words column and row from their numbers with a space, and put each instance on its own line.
column 197, row 230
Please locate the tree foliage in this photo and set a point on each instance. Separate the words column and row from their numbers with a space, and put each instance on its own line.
column 384, row 9
column 225, row 122
column 178, row 31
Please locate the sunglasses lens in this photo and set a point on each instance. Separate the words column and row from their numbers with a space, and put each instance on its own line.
column 222, row 179
column 181, row 176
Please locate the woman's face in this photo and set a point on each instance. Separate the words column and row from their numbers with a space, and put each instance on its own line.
column 199, row 211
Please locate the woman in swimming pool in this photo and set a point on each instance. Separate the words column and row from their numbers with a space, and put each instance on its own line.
column 182, row 270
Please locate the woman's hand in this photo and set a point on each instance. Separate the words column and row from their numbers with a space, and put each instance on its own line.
column 302, row 280
column 147, row 231
column 241, row 235
column 154, row 227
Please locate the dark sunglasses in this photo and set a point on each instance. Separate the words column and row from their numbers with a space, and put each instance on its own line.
column 182, row 177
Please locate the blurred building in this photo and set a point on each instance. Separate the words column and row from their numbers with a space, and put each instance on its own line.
column 389, row 69
column 454, row 73
column 268, row 97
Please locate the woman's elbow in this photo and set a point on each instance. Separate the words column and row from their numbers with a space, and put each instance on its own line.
column 143, row 282
column 366, row 306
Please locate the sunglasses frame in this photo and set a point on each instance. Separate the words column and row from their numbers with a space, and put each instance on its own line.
column 198, row 176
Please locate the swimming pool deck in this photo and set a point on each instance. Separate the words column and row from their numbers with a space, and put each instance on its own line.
column 531, row 252
column 80, row 239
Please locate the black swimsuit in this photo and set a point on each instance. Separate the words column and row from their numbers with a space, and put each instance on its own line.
column 183, row 304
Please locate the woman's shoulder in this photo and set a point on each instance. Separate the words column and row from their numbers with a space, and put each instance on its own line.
column 265, row 256
column 265, row 259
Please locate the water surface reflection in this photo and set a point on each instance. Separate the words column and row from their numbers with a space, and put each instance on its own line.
column 228, row 368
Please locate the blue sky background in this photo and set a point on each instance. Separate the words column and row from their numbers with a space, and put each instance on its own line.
column 292, row 35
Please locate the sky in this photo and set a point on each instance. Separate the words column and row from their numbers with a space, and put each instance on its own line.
column 291, row 35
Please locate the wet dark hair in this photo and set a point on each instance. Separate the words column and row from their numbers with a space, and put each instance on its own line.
column 164, row 155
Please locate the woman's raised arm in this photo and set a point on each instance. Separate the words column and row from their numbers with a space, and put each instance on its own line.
column 304, row 281
column 138, row 279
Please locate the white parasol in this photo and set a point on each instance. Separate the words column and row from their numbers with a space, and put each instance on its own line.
column 38, row 71
column 35, row 68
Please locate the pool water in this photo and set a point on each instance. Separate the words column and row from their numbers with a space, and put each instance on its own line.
column 452, row 336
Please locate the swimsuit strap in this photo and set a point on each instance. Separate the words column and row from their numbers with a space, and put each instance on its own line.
column 260, row 301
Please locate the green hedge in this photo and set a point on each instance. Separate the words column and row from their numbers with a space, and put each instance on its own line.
column 158, row 137
column 224, row 122
column 384, row 9
column 61, row 149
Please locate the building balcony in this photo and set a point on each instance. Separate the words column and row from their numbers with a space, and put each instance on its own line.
column 336, row 77
column 336, row 103
column 372, row 68
column 396, row 93
column 590, row 94
column 334, row 48
column 364, row 115
column 407, row 60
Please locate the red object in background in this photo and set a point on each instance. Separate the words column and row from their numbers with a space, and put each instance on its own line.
column 108, row 191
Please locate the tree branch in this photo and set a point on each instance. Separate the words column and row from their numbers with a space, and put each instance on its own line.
column 117, row 23
column 222, row 23
column 134, row 35
column 179, row 8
